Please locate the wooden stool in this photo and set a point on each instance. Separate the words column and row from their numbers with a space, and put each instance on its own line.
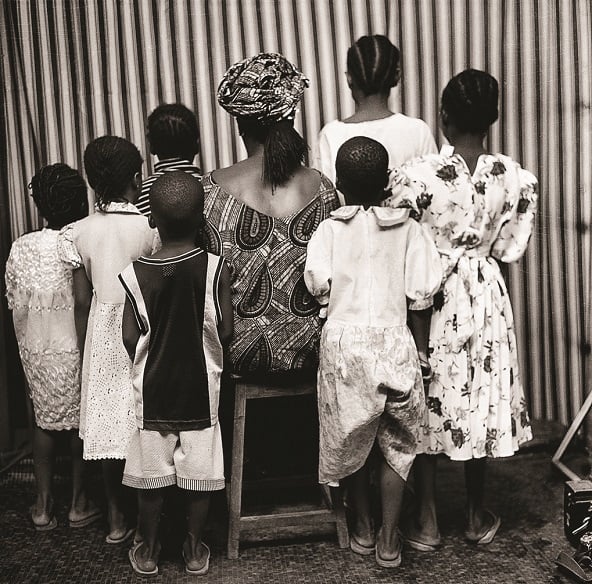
column 333, row 512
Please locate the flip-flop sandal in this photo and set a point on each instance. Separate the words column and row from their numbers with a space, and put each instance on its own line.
column 49, row 526
column 200, row 571
column 490, row 534
column 569, row 565
column 117, row 540
column 132, row 558
column 421, row 546
column 88, row 520
column 359, row 548
column 393, row 563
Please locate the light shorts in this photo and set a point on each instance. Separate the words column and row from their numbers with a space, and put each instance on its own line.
column 190, row 459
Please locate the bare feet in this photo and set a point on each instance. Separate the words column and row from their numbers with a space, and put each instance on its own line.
column 388, row 550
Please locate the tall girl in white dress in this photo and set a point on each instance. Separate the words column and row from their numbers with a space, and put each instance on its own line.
column 373, row 69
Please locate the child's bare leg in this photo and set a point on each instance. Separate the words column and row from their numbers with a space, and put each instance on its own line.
column 478, row 520
column 358, row 485
column 424, row 526
column 149, row 510
column 43, row 459
column 392, row 486
column 80, row 506
column 112, row 476
column 195, row 553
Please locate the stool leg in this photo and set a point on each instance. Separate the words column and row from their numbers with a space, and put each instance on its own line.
column 340, row 520
column 236, row 479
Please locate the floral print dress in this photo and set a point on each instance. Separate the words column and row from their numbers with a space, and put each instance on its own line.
column 475, row 405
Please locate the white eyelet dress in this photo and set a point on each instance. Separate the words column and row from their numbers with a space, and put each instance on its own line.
column 103, row 244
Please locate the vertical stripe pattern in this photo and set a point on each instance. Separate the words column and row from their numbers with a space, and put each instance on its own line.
column 76, row 69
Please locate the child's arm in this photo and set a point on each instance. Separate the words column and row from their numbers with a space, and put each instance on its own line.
column 418, row 322
column 82, row 298
column 226, row 324
column 129, row 329
column 317, row 269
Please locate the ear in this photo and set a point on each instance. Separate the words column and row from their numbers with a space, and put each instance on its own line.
column 137, row 180
column 397, row 76
column 349, row 79
column 151, row 221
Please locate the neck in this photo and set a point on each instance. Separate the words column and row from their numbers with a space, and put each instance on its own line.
column 253, row 147
column 377, row 102
column 469, row 144
column 178, row 246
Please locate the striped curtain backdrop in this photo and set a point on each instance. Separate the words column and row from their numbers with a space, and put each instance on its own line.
column 75, row 70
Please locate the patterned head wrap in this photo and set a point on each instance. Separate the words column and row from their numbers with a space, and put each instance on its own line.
column 265, row 88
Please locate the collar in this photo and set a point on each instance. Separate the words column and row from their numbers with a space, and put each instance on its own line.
column 173, row 163
column 385, row 216
column 120, row 207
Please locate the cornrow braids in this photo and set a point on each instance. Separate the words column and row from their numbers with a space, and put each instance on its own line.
column 110, row 164
column 60, row 194
column 173, row 132
column 284, row 149
column 470, row 100
column 373, row 63
column 361, row 167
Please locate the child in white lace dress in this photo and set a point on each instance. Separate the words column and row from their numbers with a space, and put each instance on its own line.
column 364, row 265
column 99, row 247
column 40, row 295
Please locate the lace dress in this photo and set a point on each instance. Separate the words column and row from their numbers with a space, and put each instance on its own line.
column 476, row 405
column 39, row 293
column 362, row 266
column 103, row 244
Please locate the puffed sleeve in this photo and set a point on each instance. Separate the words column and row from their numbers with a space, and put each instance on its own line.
column 318, row 266
column 423, row 270
column 67, row 247
column 325, row 162
column 403, row 191
column 513, row 237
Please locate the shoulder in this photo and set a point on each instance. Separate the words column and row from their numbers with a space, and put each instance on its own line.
column 330, row 128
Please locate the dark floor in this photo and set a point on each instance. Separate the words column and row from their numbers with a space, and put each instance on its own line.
column 524, row 490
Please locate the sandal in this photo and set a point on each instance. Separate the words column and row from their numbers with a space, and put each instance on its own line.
column 49, row 526
column 490, row 534
column 359, row 548
column 134, row 562
column 117, row 540
column 199, row 571
column 421, row 546
column 394, row 562
column 90, row 518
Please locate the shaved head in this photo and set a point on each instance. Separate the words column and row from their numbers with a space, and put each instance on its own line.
column 177, row 204
column 362, row 169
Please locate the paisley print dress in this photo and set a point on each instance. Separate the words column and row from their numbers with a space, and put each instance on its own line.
column 276, row 321
column 475, row 405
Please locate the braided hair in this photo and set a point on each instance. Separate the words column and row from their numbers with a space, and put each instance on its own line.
column 173, row 132
column 111, row 164
column 361, row 167
column 470, row 101
column 60, row 194
column 373, row 63
column 284, row 149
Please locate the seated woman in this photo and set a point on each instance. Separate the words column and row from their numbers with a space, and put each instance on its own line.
column 261, row 213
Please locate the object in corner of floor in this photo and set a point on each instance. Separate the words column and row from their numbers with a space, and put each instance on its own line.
column 577, row 510
column 578, row 566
